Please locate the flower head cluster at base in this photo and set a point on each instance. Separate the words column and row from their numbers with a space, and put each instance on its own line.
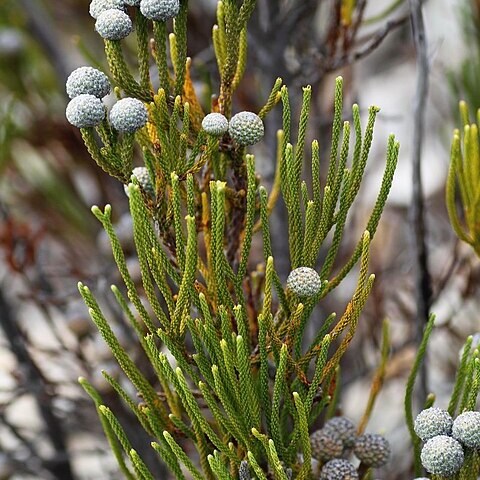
column 245, row 128
column 445, row 439
column 86, row 86
column 337, row 439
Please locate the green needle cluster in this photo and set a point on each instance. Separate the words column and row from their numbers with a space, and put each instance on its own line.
column 230, row 374
column 464, row 176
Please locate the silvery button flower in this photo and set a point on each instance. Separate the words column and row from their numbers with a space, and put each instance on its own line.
column 304, row 282
column 99, row 6
column 215, row 124
column 246, row 128
column 431, row 422
column 128, row 115
column 442, row 455
column 85, row 111
column 160, row 10
column 466, row 429
column 88, row 80
column 338, row 469
column 113, row 25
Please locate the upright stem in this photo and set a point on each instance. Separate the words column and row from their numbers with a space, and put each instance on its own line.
column 422, row 276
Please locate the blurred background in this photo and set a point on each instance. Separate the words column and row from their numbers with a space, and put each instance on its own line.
column 49, row 240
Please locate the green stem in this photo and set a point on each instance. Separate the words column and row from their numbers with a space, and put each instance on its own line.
column 409, row 395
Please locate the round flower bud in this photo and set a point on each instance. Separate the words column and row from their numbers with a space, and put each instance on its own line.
column 325, row 446
column 128, row 115
column 246, row 128
column 141, row 173
column 215, row 124
column 304, row 281
column 113, row 25
column 372, row 449
column 87, row 80
column 343, row 428
column 85, row 111
column 99, row 6
column 132, row 3
column 442, row 455
column 466, row 429
column 160, row 10
column 432, row 422
column 338, row 469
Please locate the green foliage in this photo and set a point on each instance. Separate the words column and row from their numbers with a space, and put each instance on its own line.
column 233, row 378
column 409, row 394
column 464, row 171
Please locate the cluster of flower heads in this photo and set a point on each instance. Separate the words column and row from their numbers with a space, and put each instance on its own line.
column 86, row 86
column 246, row 128
column 445, row 439
column 337, row 439
column 113, row 22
